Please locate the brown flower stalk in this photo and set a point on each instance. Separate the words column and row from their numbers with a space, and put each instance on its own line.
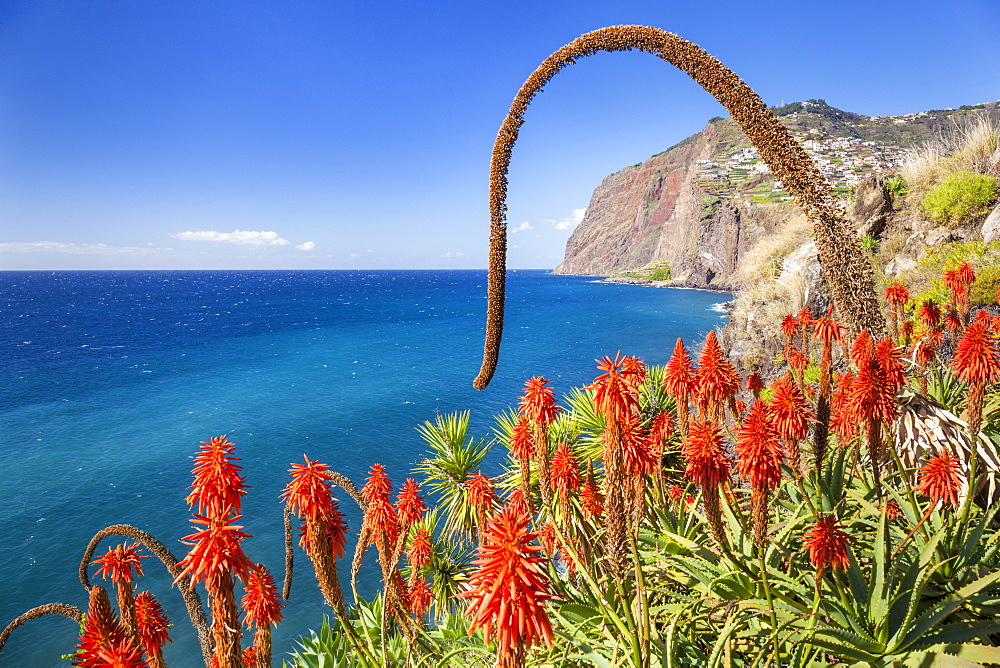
column 63, row 609
column 846, row 269
column 191, row 598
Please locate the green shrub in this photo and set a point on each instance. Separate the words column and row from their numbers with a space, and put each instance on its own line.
column 960, row 195
column 661, row 274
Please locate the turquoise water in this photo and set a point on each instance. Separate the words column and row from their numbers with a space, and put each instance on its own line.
column 108, row 381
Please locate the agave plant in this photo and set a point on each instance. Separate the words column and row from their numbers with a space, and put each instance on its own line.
column 453, row 456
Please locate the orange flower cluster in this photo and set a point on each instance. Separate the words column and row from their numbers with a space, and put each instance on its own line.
column 941, row 479
column 827, row 545
column 509, row 589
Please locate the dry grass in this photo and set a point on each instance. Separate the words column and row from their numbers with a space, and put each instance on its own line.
column 763, row 262
column 971, row 145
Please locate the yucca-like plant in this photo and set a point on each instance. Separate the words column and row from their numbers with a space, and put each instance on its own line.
column 453, row 455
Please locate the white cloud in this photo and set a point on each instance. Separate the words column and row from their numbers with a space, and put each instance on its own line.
column 242, row 237
column 453, row 255
column 76, row 249
column 523, row 227
column 571, row 222
column 307, row 246
column 353, row 256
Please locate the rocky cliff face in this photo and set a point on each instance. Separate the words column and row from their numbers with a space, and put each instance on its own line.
column 628, row 212
column 661, row 212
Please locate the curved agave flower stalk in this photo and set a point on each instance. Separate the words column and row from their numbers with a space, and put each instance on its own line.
column 191, row 598
column 847, row 270
column 71, row 611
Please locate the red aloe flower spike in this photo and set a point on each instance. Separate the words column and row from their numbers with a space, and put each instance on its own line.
column 377, row 486
column 791, row 415
column 616, row 398
column 675, row 492
column 755, row 384
column 941, row 480
column 892, row 510
column 539, row 405
column 890, row 356
column 679, row 381
column 262, row 610
column 929, row 314
column 965, row 273
column 615, row 394
column 842, row 419
column 380, row 523
column 798, row 361
column 153, row 627
column 324, row 531
column 638, row 463
column 103, row 641
column 790, row 327
column 215, row 557
column 217, row 481
column 409, row 504
column 863, row 348
column 953, row 283
column 873, row 402
column 522, row 448
column 826, row 330
column 741, row 408
column 547, row 538
column 758, row 460
column 509, row 589
column 897, row 295
column 310, row 496
column 923, row 354
column 565, row 476
column 708, row 466
column 827, row 545
column 121, row 565
column 977, row 362
column 634, row 371
column 591, row 499
column 952, row 321
column 480, row 495
column 966, row 277
column 420, row 596
column 717, row 379
column 538, row 402
column 215, row 550
column 906, row 330
column 419, row 554
column 805, row 322
column 661, row 431
column 250, row 658
column 518, row 503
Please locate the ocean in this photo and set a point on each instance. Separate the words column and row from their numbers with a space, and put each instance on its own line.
column 109, row 380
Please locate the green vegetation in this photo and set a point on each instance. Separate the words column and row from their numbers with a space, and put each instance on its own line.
column 985, row 257
column 660, row 275
column 962, row 194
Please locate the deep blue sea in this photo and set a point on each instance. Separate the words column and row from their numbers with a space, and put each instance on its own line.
column 108, row 381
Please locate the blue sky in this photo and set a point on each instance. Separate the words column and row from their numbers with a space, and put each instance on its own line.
column 349, row 134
